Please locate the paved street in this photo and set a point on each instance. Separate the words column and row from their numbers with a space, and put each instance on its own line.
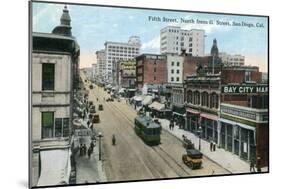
column 131, row 159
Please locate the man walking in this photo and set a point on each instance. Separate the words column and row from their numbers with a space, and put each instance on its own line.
column 252, row 166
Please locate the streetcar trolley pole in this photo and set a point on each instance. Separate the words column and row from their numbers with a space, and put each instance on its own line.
column 100, row 135
column 199, row 131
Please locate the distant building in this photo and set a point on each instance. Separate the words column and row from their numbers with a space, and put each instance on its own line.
column 232, row 60
column 116, row 51
column 88, row 71
column 151, row 69
column 175, row 68
column 126, row 74
column 94, row 71
column 101, row 64
column 55, row 76
column 174, row 39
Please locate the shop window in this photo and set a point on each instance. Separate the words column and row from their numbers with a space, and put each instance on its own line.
column 48, row 76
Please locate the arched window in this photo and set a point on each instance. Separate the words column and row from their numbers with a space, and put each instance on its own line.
column 197, row 98
column 205, row 99
column 189, row 96
column 214, row 100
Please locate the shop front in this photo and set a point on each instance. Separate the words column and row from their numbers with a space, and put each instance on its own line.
column 192, row 119
column 238, row 138
column 179, row 115
column 209, row 127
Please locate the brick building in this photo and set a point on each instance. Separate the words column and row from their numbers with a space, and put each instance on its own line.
column 230, row 108
column 151, row 69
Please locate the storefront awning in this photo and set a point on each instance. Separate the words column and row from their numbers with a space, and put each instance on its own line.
column 157, row 106
column 55, row 167
column 147, row 100
column 179, row 110
column 209, row 116
column 239, row 124
column 190, row 110
column 137, row 98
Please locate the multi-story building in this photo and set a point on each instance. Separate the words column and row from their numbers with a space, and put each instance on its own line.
column 116, row 51
column 101, row 64
column 54, row 67
column 175, row 68
column 151, row 69
column 94, row 71
column 173, row 39
column 232, row 60
column 126, row 74
column 230, row 108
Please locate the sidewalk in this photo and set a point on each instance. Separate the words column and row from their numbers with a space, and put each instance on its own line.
column 89, row 170
column 226, row 159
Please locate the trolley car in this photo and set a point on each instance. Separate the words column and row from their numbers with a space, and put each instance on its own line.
column 148, row 130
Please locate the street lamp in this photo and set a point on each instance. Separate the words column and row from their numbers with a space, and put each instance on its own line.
column 100, row 135
column 199, row 131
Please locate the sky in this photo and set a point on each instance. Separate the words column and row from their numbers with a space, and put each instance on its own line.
column 92, row 26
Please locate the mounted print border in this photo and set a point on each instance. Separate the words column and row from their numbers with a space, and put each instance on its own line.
column 122, row 94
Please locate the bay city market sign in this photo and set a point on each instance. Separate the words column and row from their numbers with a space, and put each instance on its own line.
column 244, row 89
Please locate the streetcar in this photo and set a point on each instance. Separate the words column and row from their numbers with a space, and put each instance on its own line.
column 148, row 130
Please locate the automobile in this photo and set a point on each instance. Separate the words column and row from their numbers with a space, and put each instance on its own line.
column 100, row 107
column 96, row 118
column 91, row 103
column 192, row 158
column 109, row 99
column 93, row 109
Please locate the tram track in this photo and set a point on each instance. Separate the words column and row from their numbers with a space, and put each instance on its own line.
column 164, row 155
column 146, row 163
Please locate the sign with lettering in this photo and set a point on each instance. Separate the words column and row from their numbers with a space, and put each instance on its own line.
column 244, row 89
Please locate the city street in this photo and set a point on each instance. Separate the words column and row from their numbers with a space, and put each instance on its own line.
column 131, row 158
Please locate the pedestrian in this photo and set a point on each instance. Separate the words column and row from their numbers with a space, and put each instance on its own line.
column 170, row 125
column 252, row 166
column 214, row 146
column 84, row 149
column 88, row 123
column 211, row 146
column 89, row 153
column 173, row 125
column 81, row 150
column 92, row 145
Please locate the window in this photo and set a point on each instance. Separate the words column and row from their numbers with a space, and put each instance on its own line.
column 178, row 78
column 172, row 71
column 154, row 78
column 178, row 71
column 47, row 124
column 247, row 76
column 173, row 63
column 172, row 78
column 178, row 64
column 154, row 69
column 61, row 127
column 190, row 50
column 48, row 76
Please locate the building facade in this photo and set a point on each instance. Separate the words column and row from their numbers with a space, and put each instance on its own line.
column 173, row 39
column 94, row 71
column 175, row 68
column 101, row 64
column 126, row 74
column 54, row 79
column 151, row 69
column 116, row 51
column 232, row 60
